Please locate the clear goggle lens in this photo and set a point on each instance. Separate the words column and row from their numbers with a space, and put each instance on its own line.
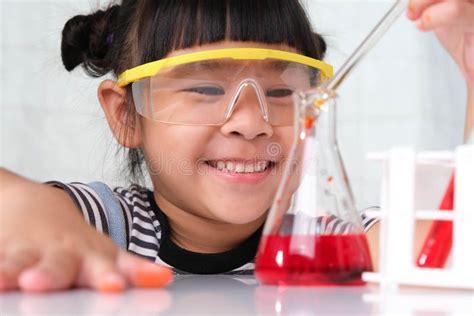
column 207, row 92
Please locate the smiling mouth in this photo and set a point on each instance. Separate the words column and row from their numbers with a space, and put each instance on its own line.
column 241, row 167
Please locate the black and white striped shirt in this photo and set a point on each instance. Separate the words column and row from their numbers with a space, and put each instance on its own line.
column 147, row 231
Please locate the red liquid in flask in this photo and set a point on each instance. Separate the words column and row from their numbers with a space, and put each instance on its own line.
column 333, row 260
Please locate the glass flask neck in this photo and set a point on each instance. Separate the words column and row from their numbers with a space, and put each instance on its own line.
column 316, row 115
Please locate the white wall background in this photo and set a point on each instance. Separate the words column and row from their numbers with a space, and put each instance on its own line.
column 407, row 92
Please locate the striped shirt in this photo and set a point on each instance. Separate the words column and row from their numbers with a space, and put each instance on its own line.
column 147, row 231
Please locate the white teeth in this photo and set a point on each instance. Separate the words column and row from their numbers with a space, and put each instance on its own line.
column 220, row 165
column 249, row 168
column 261, row 166
column 240, row 167
column 231, row 166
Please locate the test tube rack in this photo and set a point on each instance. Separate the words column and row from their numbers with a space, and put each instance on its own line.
column 398, row 216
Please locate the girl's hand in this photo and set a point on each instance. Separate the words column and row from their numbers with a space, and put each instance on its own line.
column 46, row 245
column 453, row 23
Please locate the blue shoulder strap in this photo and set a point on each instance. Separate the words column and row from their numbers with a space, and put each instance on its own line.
column 114, row 212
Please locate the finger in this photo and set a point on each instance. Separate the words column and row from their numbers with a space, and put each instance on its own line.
column 101, row 273
column 142, row 273
column 56, row 270
column 416, row 8
column 12, row 264
column 448, row 13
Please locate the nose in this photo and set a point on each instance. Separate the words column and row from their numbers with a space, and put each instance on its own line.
column 247, row 115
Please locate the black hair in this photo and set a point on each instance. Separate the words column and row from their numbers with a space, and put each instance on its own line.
column 139, row 31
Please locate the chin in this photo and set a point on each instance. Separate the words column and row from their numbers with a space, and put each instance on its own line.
column 239, row 213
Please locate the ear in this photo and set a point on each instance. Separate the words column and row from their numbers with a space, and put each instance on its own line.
column 113, row 100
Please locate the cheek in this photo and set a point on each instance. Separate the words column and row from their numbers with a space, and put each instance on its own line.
column 285, row 138
column 172, row 149
column 280, row 149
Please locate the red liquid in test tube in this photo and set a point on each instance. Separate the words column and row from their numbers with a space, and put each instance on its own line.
column 438, row 243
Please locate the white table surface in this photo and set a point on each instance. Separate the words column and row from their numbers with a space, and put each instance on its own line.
column 222, row 295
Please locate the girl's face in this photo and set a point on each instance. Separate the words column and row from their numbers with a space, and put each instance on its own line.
column 194, row 167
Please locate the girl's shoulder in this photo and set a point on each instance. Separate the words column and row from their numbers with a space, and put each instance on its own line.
column 127, row 214
column 132, row 193
column 101, row 193
column 100, row 202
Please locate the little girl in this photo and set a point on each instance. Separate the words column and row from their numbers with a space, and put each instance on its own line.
column 202, row 98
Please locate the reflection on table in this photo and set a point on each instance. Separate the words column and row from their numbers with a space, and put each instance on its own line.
column 225, row 295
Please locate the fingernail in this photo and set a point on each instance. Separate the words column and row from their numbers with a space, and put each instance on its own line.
column 154, row 276
column 111, row 283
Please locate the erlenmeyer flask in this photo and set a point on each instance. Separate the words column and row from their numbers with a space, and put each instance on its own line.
column 313, row 234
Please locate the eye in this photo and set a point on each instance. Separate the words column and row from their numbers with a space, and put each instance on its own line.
column 207, row 90
column 280, row 93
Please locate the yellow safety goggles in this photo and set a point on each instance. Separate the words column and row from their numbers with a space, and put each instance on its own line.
column 205, row 88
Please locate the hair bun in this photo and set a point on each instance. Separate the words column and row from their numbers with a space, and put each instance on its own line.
column 75, row 41
column 84, row 41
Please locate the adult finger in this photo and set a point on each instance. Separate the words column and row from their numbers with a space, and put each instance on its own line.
column 448, row 13
column 416, row 7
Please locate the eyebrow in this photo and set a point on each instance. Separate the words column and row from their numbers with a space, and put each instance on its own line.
column 278, row 65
